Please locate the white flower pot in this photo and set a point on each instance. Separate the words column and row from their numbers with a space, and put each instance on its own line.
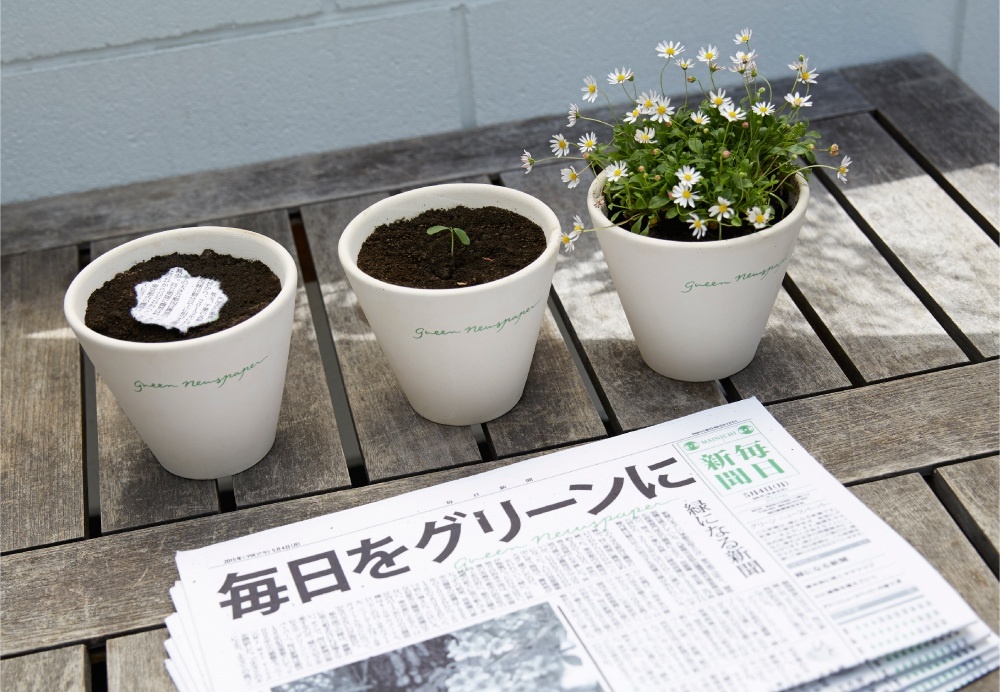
column 207, row 407
column 697, row 309
column 461, row 355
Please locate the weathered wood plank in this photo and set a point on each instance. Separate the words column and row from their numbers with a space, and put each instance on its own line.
column 135, row 662
column 958, row 267
column 41, row 447
column 635, row 395
column 188, row 199
column 971, row 492
column 880, row 323
column 922, row 100
column 67, row 593
column 185, row 200
column 394, row 439
column 135, row 489
column 901, row 425
column 909, row 506
column 791, row 360
column 307, row 455
column 67, row 670
column 542, row 417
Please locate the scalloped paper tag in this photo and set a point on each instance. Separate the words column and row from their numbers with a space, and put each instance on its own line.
column 178, row 300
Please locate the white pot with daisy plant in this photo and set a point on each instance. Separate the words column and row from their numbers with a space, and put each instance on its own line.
column 698, row 203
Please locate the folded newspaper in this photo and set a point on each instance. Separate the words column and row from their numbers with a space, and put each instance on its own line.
column 707, row 553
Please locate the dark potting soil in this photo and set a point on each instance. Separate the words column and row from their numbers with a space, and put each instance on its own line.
column 501, row 242
column 249, row 285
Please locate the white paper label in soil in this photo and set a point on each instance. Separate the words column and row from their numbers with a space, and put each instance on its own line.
column 178, row 300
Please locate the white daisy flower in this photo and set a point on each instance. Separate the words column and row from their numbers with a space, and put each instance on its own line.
column 587, row 143
column 798, row 101
column 708, row 55
column 801, row 64
column 570, row 177
column 699, row 118
column 842, row 169
column 717, row 99
column 733, row 114
column 685, row 63
column 577, row 223
column 633, row 115
column 763, row 108
column 569, row 238
column 560, row 147
column 743, row 37
column 759, row 218
column 619, row 76
column 646, row 135
column 527, row 162
column 688, row 174
column 669, row 49
column 808, row 76
column 684, row 196
column 589, row 89
column 647, row 101
column 698, row 226
column 617, row 170
column 722, row 210
column 574, row 113
column 662, row 111
column 744, row 61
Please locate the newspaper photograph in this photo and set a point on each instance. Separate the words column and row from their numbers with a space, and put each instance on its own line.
column 709, row 552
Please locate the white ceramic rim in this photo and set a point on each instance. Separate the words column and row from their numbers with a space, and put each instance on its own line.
column 551, row 239
column 289, row 285
column 798, row 209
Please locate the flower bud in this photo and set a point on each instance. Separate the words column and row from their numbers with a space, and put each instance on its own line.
column 725, row 154
column 642, row 169
column 656, row 178
column 656, row 152
column 811, row 146
column 692, row 80
column 834, row 150
column 745, row 125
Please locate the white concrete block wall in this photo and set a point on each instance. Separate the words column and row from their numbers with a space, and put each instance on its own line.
column 108, row 92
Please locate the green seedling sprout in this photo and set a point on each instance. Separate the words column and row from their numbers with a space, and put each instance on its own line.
column 462, row 236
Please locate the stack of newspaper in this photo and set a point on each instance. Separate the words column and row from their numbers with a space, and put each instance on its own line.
column 707, row 553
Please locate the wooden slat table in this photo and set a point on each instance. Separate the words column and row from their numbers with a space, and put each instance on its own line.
column 881, row 358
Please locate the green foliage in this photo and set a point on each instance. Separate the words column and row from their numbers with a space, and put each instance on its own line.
column 740, row 152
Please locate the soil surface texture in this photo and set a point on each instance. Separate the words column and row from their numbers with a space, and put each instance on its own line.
column 501, row 243
column 249, row 285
